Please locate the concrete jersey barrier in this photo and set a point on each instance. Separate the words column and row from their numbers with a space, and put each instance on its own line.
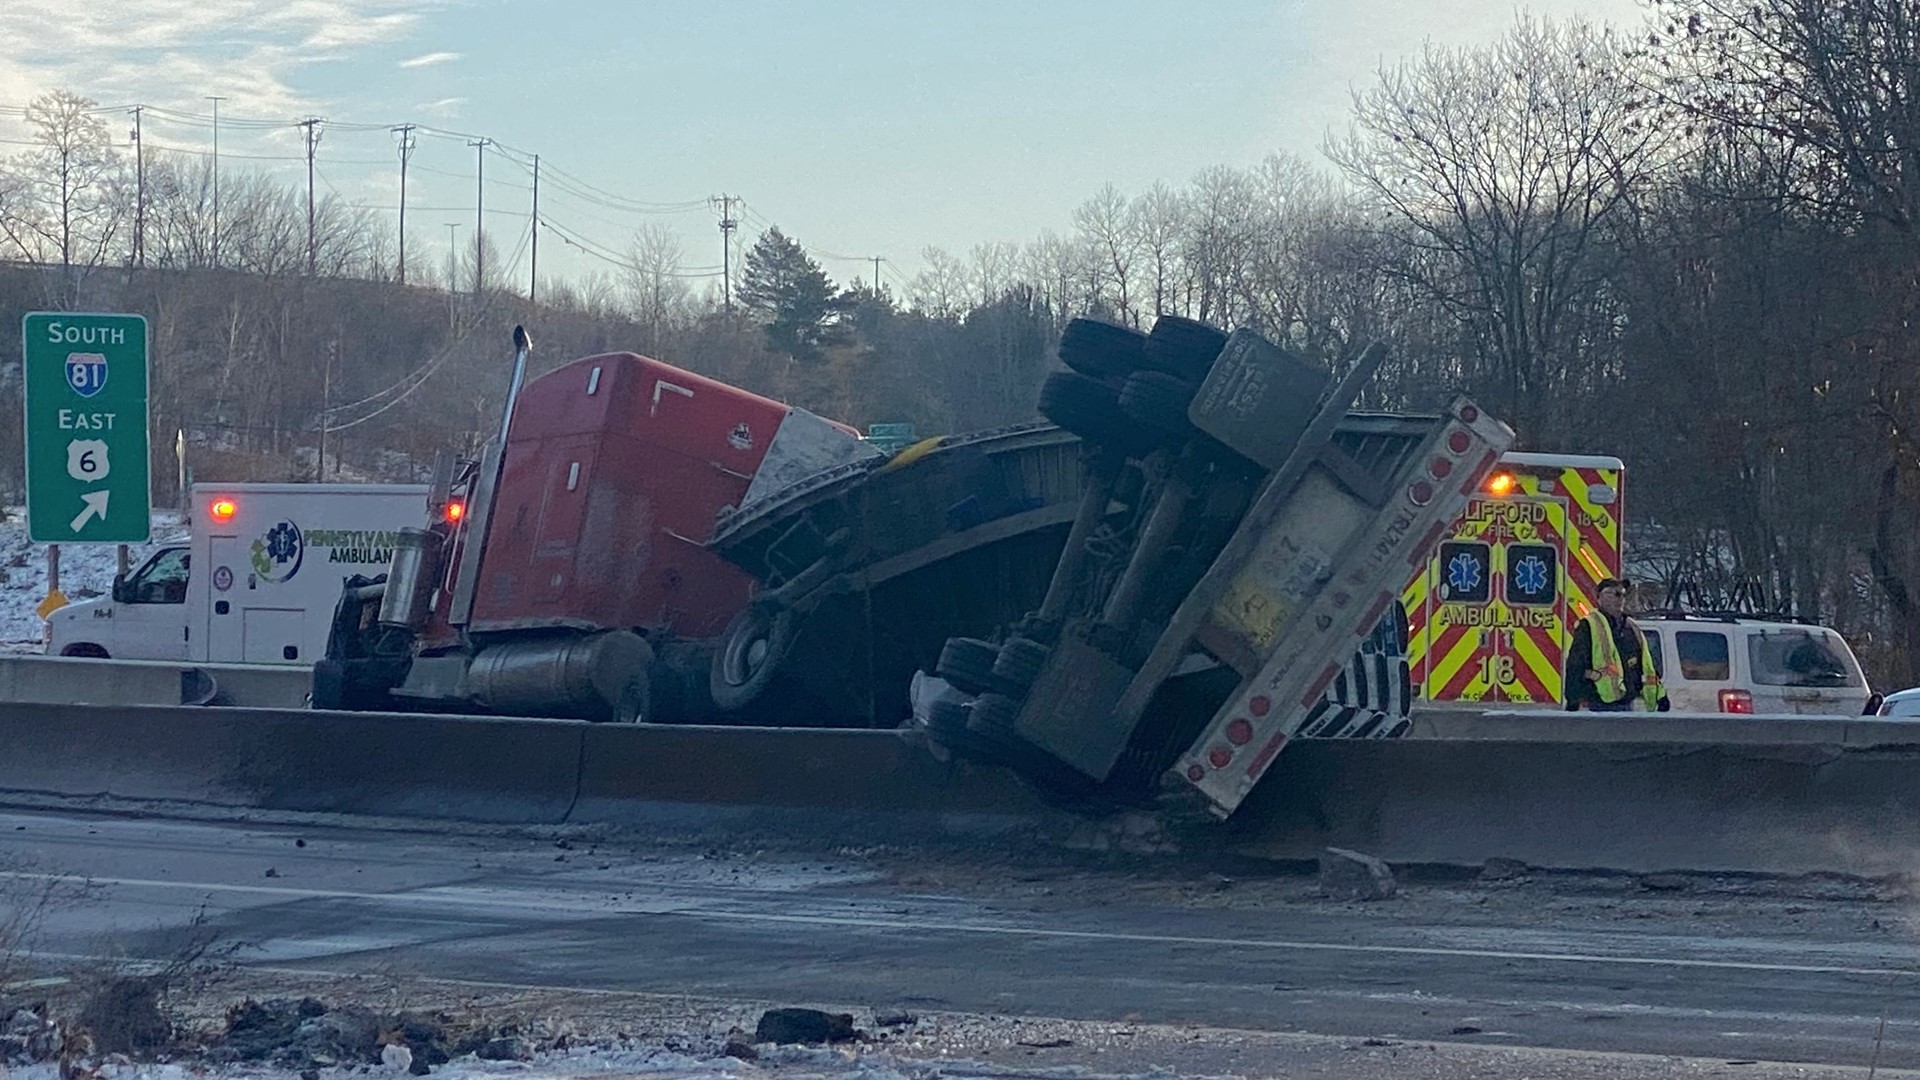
column 62, row 680
column 1821, row 796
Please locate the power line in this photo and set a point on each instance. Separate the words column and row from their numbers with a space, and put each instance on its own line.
column 420, row 375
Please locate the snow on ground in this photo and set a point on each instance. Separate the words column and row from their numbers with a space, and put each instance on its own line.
column 86, row 570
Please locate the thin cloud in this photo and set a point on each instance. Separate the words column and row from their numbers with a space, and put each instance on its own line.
column 174, row 52
column 430, row 59
column 444, row 107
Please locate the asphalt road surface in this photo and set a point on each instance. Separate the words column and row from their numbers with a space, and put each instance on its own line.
column 1578, row 965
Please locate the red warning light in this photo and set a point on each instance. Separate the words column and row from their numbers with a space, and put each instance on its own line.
column 455, row 511
column 222, row 510
column 1500, row 483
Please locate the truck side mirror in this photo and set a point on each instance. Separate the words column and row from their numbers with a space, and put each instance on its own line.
column 120, row 590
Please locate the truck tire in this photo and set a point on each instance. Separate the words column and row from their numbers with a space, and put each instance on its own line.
column 635, row 704
column 948, row 717
column 1090, row 409
column 1101, row 349
column 1183, row 347
column 329, row 685
column 85, row 649
column 994, row 714
column 1020, row 661
column 967, row 665
column 1159, row 401
column 752, row 649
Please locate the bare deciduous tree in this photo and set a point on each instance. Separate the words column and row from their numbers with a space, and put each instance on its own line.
column 1507, row 166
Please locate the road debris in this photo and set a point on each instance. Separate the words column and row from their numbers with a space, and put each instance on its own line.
column 1349, row 875
column 808, row 1026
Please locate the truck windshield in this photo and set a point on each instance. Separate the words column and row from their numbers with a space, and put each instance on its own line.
column 1799, row 658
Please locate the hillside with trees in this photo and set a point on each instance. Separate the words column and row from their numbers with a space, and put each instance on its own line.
column 1692, row 246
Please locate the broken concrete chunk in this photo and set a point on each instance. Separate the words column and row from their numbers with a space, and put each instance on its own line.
column 1349, row 875
column 1503, row 870
column 508, row 1048
column 803, row 1026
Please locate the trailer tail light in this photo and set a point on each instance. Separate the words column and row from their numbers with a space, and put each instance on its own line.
column 222, row 510
column 1736, row 701
column 454, row 512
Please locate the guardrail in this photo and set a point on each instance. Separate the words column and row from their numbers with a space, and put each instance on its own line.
column 60, row 680
column 1633, row 793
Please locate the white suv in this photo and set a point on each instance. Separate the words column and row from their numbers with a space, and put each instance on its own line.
column 1743, row 664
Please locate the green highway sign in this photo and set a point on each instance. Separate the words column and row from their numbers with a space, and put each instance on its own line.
column 86, row 425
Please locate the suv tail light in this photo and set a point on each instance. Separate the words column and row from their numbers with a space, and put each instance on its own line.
column 1736, row 701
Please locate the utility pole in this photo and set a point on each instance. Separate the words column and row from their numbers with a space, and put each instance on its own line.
column 407, row 143
column 216, row 177
column 727, row 225
column 312, row 124
column 533, row 276
column 479, row 215
column 326, row 403
column 453, row 272
column 876, row 277
column 139, row 192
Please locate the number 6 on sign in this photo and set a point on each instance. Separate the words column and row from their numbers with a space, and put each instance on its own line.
column 87, row 460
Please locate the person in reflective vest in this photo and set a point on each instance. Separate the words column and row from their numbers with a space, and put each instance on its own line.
column 1610, row 666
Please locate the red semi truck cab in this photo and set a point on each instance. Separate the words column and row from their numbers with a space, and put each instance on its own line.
column 615, row 471
column 577, row 552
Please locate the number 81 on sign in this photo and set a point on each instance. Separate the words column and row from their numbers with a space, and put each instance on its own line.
column 86, row 373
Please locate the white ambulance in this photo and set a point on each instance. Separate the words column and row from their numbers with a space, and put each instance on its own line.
column 257, row 581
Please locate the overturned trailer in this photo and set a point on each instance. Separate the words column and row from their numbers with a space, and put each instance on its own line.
column 1265, row 553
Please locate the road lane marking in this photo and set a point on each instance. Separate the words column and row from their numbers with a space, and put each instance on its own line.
column 692, row 909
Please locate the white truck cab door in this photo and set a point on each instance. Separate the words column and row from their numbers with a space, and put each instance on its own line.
column 150, row 609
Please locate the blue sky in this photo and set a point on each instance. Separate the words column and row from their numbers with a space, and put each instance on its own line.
column 860, row 127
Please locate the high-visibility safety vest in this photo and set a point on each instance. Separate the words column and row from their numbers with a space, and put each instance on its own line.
column 1611, row 686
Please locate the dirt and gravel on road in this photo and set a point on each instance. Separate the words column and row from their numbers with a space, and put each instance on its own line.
column 273, row 1026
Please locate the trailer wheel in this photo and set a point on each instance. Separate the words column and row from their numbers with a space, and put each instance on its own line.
column 1020, row 661
column 1101, row 349
column 756, row 643
column 967, row 665
column 1183, row 347
column 1090, row 409
column 994, row 714
column 947, row 717
column 1159, row 401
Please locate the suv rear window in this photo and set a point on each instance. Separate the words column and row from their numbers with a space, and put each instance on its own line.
column 1798, row 658
column 1703, row 655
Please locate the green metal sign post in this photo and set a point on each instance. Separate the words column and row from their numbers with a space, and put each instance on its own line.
column 86, row 428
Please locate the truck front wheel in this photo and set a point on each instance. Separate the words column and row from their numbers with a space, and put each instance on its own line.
column 753, row 648
column 85, row 649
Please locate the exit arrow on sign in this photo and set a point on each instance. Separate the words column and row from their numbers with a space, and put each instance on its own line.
column 96, row 508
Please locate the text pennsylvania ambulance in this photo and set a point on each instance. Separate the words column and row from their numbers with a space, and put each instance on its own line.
column 1491, row 616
